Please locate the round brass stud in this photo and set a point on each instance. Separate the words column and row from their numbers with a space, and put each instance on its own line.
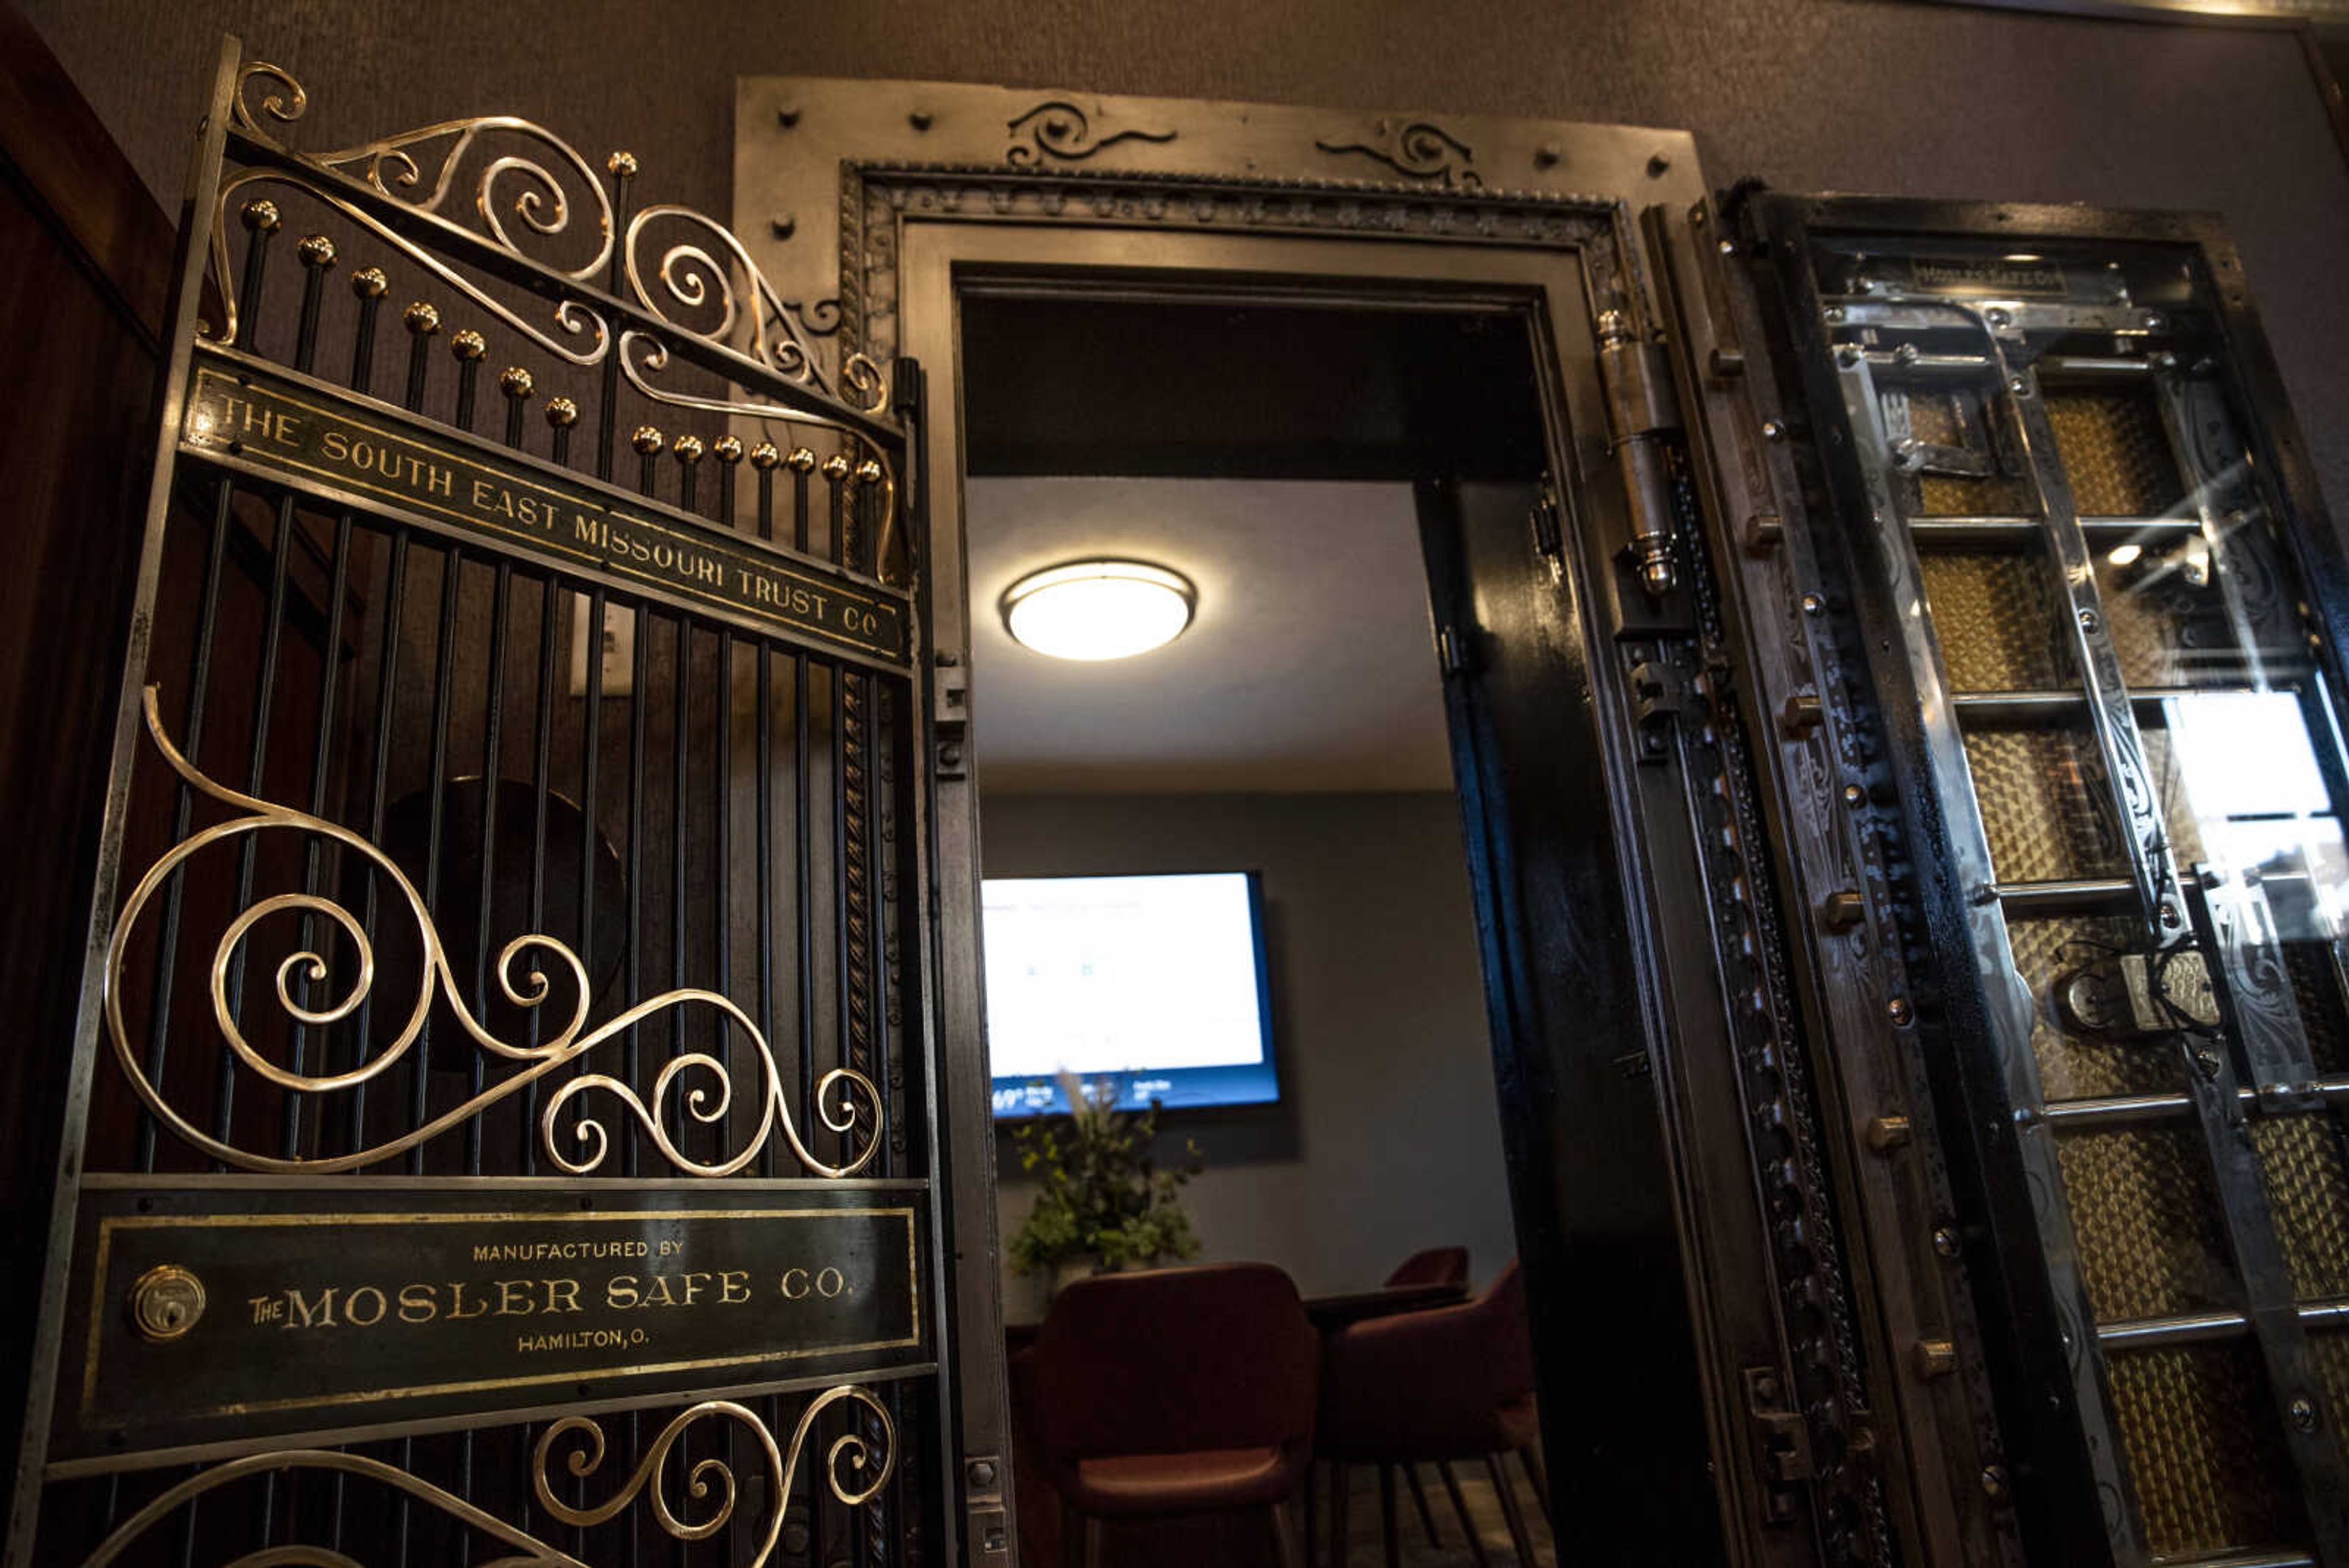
column 516, row 382
column 468, row 345
column 259, row 214
column 623, row 164
column 764, row 455
column 647, row 439
column 316, row 250
column 561, row 413
column 868, row 472
column 835, row 467
column 689, row 449
column 369, row 283
column 165, row 1302
column 801, row 460
column 727, row 448
column 421, row 319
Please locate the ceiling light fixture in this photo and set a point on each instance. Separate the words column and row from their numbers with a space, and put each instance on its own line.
column 1099, row 610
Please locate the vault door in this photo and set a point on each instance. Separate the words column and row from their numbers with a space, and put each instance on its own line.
column 2062, row 538
column 502, row 1126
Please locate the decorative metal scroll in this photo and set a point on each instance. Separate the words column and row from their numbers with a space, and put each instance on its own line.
column 521, row 201
column 581, row 1442
column 838, row 1093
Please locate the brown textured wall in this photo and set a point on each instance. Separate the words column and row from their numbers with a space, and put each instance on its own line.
column 1874, row 95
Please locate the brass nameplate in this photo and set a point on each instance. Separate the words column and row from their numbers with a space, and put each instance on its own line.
column 342, row 448
column 1999, row 279
column 311, row 1311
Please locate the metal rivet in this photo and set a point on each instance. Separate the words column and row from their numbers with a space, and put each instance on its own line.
column 788, row 117
column 1994, row 1483
column 622, row 164
column 2018, row 386
column 1936, row 1357
column 2303, row 1413
column 1898, row 1011
column 2090, row 621
column 647, row 440
column 1813, row 604
column 1842, row 910
column 1834, row 312
column 982, row 1476
column 1996, row 317
column 1853, row 794
column 1946, row 1243
column 921, row 119
column 1772, row 430
column 1547, row 155
column 2206, row 1062
column 785, row 226
column 1657, row 165
column 561, row 413
column 1727, row 247
column 1886, row 1133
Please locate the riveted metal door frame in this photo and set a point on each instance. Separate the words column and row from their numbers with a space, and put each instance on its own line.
column 1177, row 191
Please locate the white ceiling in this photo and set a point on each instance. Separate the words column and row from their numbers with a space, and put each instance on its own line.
column 1308, row 667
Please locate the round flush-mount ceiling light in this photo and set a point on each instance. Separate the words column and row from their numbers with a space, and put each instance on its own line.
column 1099, row 610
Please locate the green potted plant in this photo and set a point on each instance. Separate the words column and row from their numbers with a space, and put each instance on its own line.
column 1106, row 1203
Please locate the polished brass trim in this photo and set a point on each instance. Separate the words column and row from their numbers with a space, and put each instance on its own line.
column 110, row 1224
column 836, row 1095
column 164, row 1303
column 582, row 1439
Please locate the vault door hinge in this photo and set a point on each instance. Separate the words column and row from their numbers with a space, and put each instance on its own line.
column 950, row 716
column 1785, row 1445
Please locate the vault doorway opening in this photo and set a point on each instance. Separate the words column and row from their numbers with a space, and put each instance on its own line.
column 1304, row 465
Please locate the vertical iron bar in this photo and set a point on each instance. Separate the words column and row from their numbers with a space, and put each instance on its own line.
column 436, row 776
column 766, row 857
column 621, row 166
column 561, row 413
column 835, row 485
column 803, row 788
column 840, row 982
column 680, row 742
column 647, row 442
column 468, row 347
column 422, row 321
column 492, row 753
column 590, row 630
column 728, row 450
column 370, row 284
column 688, row 449
column 763, row 457
column 638, row 680
column 802, row 462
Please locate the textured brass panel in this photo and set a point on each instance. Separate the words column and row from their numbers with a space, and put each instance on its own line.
column 2322, row 1013
column 2307, row 1189
column 1933, row 418
column 2332, row 1353
column 2114, row 451
column 2203, row 1448
column 2145, row 1223
column 1994, row 620
column 2166, row 630
column 2071, row 1066
column 2038, row 791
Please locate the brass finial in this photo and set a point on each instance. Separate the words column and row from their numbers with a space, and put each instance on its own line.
column 835, row 467
column 764, row 455
column 623, row 164
column 421, row 319
column 801, row 460
column 689, row 449
column 647, row 439
column 561, row 413
column 727, row 448
column 369, row 283
column 868, row 472
column 316, row 250
column 516, row 382
column 259, row 213
column 468, row 346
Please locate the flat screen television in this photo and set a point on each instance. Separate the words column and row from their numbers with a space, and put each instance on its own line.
column 1152, row 984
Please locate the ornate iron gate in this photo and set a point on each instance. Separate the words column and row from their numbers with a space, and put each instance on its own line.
column 501, row 1124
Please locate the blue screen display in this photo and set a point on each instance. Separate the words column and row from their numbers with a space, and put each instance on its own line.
column 1154, row 986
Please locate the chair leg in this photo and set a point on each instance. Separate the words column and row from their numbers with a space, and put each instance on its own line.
column 1530, row 1456
column 1284, row 1542
column 1339, row 1508
column 1312, row 1511
column 1419, row 1500
column 1460, row 1508
column 1509, row 1509
column 1387, row 1535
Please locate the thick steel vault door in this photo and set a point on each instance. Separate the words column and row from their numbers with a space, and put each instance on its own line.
column 500, row 1125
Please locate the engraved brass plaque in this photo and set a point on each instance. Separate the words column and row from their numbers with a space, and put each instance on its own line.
column 334, row 1308
column 345, row 448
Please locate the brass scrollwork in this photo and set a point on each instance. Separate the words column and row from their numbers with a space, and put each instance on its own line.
column 1059, row 128
column 846, row 1101
column 1417, row 148
column 708, row 1481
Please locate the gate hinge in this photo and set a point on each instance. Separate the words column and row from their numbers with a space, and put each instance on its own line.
column 1656, row 690
column 1785, row 1443
column 950, row 713
column 987, row 1523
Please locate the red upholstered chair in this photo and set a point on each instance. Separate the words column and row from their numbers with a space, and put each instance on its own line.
column 1175, row 1391
column 1451, row 1382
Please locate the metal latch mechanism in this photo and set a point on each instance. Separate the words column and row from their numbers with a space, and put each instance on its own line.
column 950, row 713
column 1785, row 1442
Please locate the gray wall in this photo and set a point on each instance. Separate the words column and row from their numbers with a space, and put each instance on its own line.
column 1854, row 95
column 1387, row 1140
